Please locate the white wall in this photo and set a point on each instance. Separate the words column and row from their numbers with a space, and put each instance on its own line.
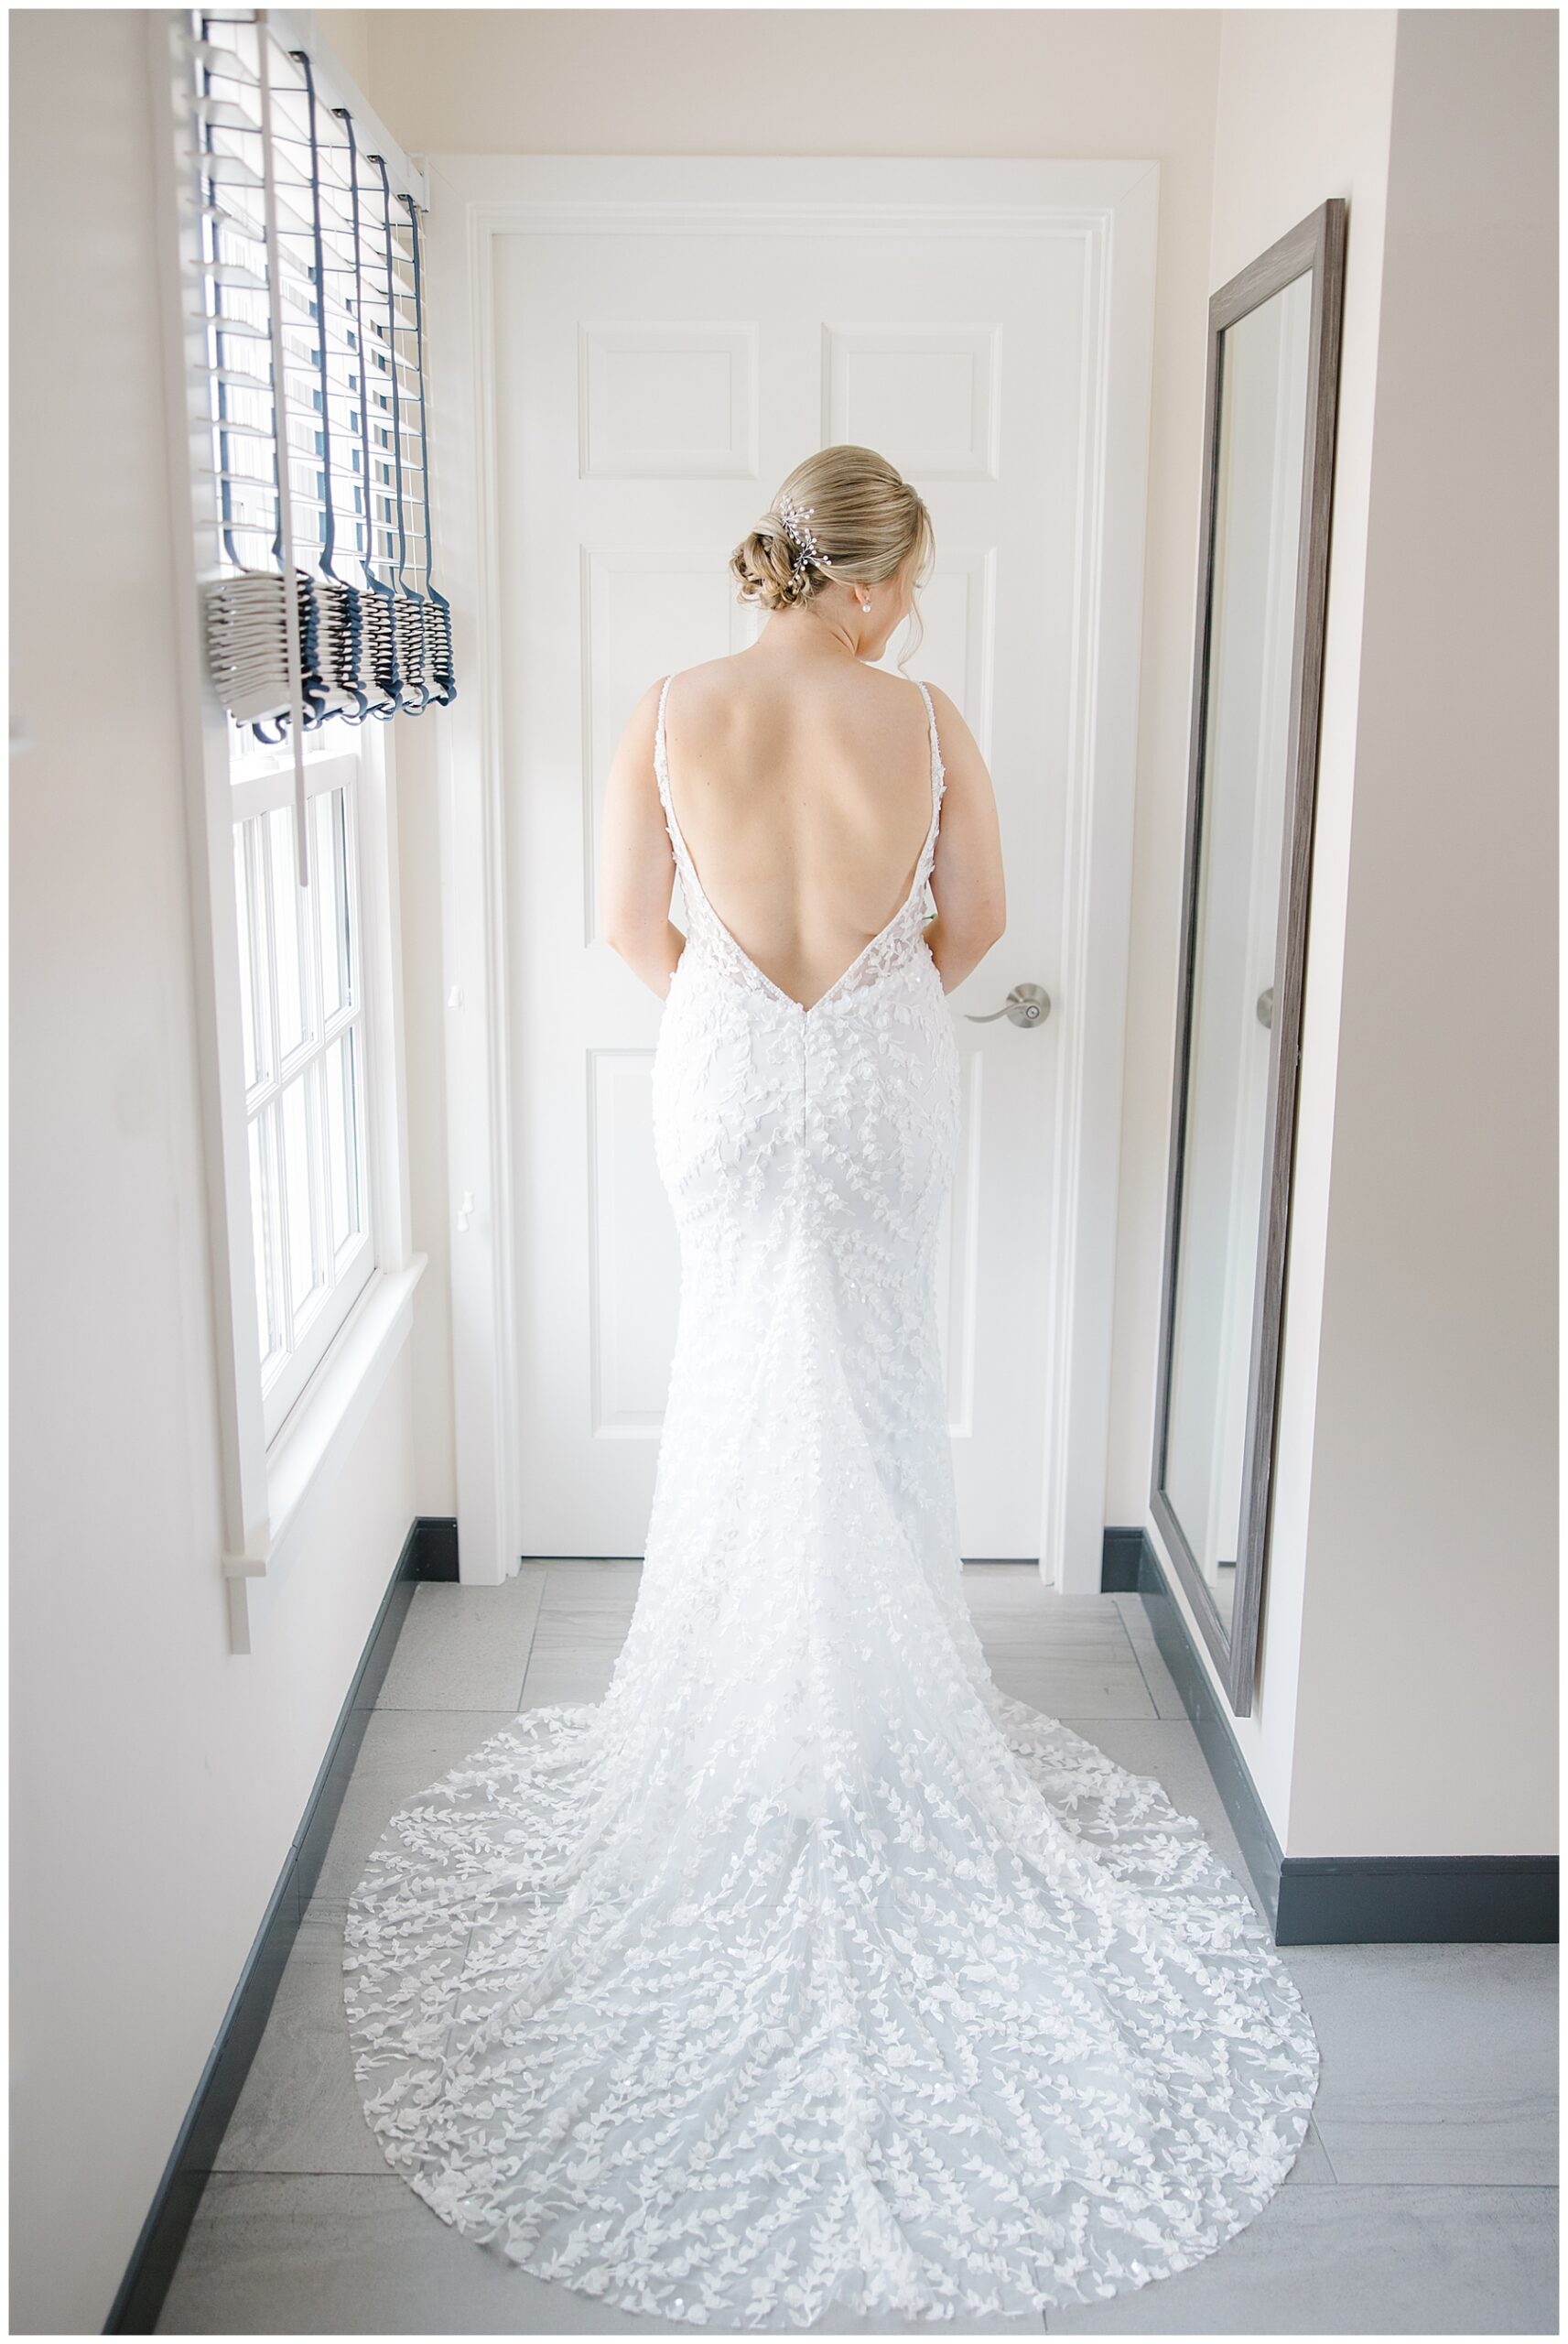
column 1429, row 1648
column 158, row 1779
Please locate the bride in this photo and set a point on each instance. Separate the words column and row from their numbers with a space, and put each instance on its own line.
column 810, row 1975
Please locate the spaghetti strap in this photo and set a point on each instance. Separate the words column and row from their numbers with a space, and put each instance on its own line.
column 661, row 760
column 938, row 785
column 938, row 770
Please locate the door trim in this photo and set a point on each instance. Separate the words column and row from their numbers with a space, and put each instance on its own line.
column 1113, row 207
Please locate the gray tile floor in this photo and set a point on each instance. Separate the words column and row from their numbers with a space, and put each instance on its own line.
column 1421, row 2204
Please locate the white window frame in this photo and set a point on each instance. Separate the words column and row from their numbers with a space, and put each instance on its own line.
column 271, row 1488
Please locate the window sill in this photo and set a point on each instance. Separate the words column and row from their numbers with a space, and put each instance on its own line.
column 317, row 1435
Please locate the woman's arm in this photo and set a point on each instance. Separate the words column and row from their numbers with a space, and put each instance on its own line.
column 967, row 882
column 636, row 867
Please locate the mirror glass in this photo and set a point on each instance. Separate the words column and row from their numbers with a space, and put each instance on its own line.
column 1259, row 456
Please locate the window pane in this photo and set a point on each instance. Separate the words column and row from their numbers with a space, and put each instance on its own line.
column 290, row 906
column 348, row 917
column 343, row 1119
column 264, row 1225
column 330, row 873
column 245, row 928
column 258, row 1236
column 253, row 952
column 299, row 1166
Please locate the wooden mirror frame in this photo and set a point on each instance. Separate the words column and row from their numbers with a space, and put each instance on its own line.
column 1316, row 246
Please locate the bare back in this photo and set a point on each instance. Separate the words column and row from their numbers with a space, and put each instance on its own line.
column 803, row 791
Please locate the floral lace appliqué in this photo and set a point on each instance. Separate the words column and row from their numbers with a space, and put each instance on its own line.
column 808, row 1974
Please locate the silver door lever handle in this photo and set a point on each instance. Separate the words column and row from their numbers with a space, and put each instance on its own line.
column 1025, row 1004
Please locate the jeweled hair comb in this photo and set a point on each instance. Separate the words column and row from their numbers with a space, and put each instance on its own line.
column 793, row 520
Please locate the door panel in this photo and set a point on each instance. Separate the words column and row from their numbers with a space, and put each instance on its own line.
column 651, row 389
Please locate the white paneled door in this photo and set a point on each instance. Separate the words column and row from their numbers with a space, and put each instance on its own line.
column 651, row 362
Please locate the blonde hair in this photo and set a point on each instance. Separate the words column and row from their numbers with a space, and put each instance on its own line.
column 866, row 521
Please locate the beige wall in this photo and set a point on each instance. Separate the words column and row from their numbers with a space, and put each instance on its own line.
column 423, row 1013
column 755, row 83
column 347, row 33
column 1414, row 1548
column 158, row 1779
column 1035, row 82
column 1030, row 83
column 1256, row 117
column 1406, row 1700
column 1426, row 1718
column 1303, row 110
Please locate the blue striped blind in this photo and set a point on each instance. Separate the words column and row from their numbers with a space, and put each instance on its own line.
column 308, row 331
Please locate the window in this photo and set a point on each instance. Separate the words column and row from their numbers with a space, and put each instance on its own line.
column 282, row 343
column 302, row 1011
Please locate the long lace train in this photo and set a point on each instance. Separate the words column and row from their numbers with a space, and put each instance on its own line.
column 808, row 1973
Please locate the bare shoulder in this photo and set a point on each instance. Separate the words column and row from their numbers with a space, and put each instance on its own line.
column 960, row 750
column 870, row 703
column 890, row 713
column 707, row 672
column 709, row 682
column 641, row 721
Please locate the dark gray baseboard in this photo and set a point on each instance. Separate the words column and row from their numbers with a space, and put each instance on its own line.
column 1122, row 1561
column 1333, row 1900
column 438, row 1537
column 1418, row 1900
column 429, row 1551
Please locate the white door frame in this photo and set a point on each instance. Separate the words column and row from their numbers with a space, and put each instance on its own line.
column 1112, row 208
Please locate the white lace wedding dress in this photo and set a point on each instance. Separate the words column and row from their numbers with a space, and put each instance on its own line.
column 808, row 1974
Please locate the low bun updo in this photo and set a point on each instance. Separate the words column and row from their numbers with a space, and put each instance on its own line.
column 864, row 519
column 763, row 565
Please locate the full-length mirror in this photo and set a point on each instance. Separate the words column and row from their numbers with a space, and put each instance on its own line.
column 1269, row 437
